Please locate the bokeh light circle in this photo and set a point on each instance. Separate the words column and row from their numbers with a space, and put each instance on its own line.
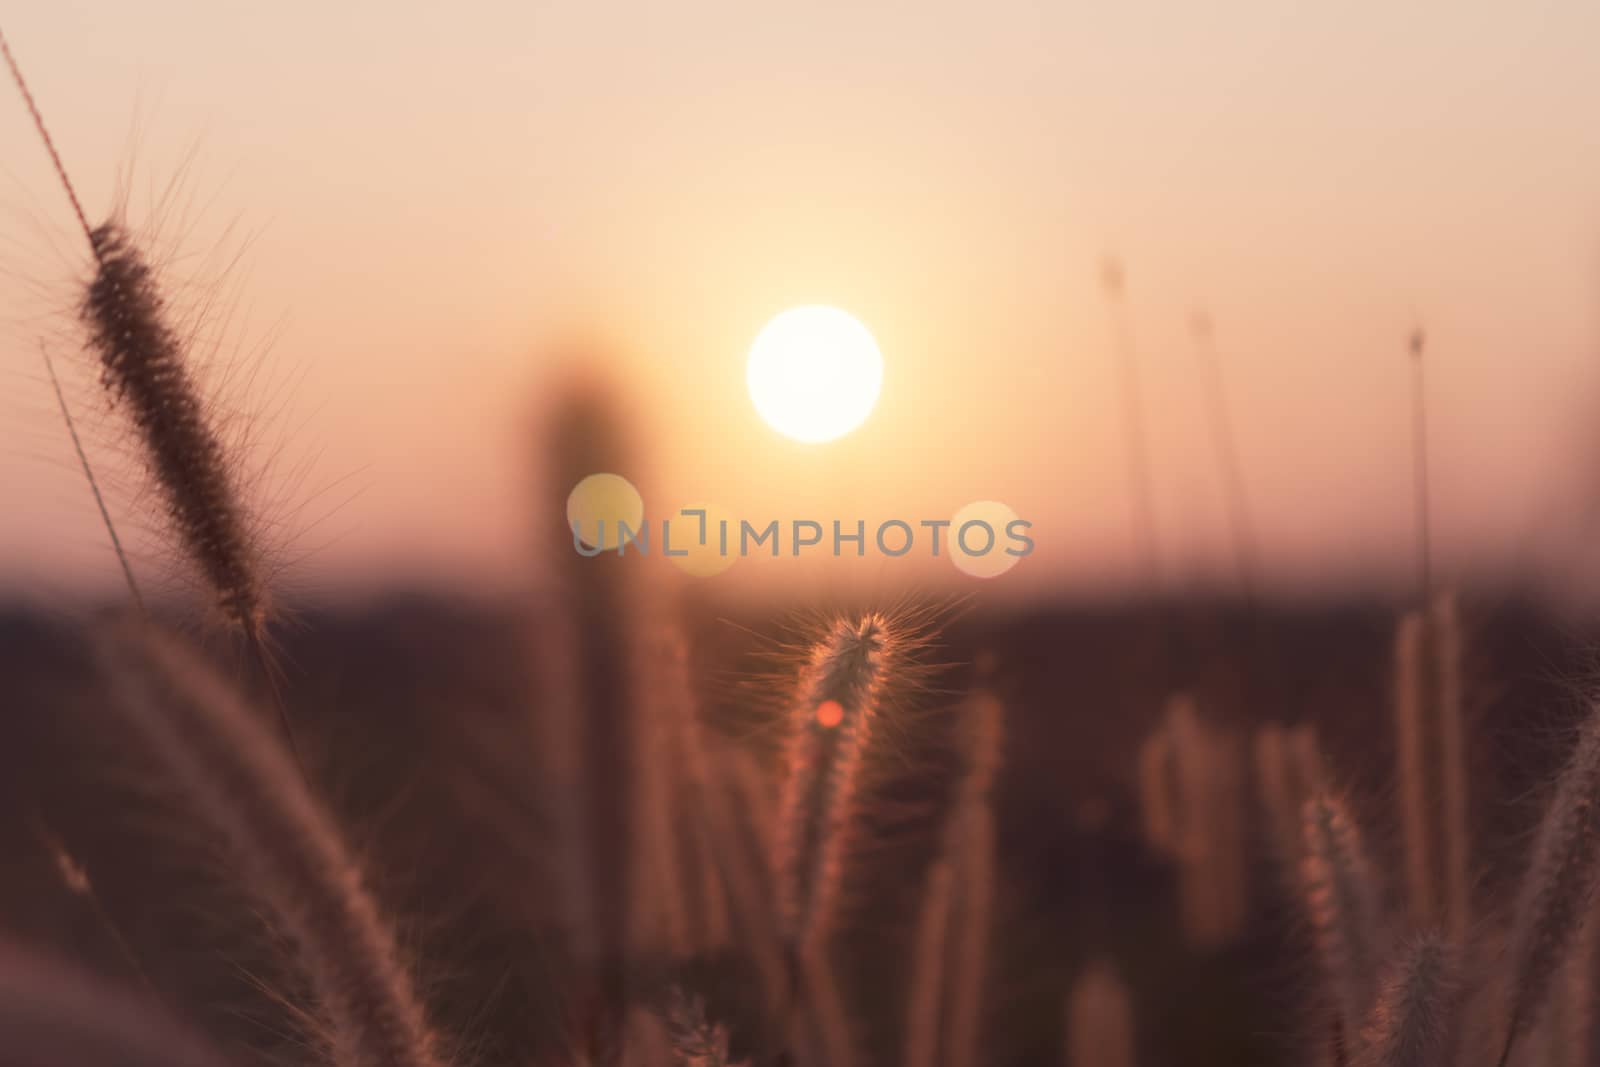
column 683, row 535
column 600, row 505
column 979, row 540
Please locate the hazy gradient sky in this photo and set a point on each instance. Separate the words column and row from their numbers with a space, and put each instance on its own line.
column 425, row 198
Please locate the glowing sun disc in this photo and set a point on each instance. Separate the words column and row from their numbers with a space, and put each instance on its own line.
column 814, row 373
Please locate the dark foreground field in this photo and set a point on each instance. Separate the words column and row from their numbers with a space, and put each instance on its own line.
column 412, row 716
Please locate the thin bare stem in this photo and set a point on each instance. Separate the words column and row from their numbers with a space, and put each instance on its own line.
column 1136, row 449
column 1226, row 451
column 1419, row 448
column 49, row 142
column 94, row 485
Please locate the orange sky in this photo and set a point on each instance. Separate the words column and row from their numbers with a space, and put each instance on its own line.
column 429, row 198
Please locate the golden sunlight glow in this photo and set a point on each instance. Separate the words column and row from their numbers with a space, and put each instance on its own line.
column 814, row 373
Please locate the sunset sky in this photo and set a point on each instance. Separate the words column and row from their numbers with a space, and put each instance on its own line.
column 429, row 204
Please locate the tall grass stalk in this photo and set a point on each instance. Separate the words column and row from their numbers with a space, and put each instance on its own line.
column 1190, row 785
column 704, row 893
column 1414, row 1021
column 973, row 920
column 1099, row 1020
column 832, row 728
column 1157, row 791
column 925, row 1002
column 1416, row 345
column 1345, row 905
column 1431, row 752
column 826, row 1030
column 1558, row 888
column 742, row 832
column 1288, row 772
column 970, row 849
column 594, row 691
column 145, row 369
column 1225, row 450
column 144, row 366
column 662, row 887
column 236, row 778
column 1135, row 439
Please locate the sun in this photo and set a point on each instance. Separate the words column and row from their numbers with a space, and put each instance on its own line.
column 814, row 373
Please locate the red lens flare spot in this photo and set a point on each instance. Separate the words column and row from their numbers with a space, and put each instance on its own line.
column 830, row 713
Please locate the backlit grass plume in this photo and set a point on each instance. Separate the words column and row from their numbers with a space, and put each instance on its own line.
column 1558, row 889
column 1345, row 904
column 832, row 727
column 144, row 367
column 1414, row 1022
column 238, row 779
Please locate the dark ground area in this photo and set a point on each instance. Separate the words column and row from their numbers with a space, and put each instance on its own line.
column 410, row 713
